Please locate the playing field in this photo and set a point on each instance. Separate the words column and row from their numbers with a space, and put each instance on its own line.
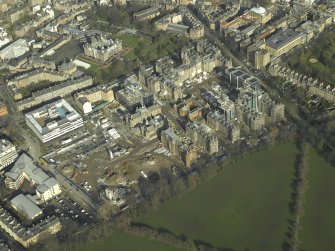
column 318, row 222
column 244, row 207
column 119, row 241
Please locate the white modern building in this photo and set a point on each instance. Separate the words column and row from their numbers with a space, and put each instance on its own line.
column 8, row 153
column 24, row 169
column 53, row 120
column 14, row 50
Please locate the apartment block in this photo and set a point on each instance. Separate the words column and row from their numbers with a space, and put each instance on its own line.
column 59, row 90
column 46, row 187
column 8, row 153
column 230, row 129
column 203, row 136
column 28, row 236
column 177, row 147
column 36, row 76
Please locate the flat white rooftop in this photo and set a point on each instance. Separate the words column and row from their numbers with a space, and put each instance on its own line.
column 51, row 116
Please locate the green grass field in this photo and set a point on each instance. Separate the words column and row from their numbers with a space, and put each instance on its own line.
column 94, row 67
column 318, row 221
column 131, row 41
column 244, row 207
column 120, row 241
column 148, row 50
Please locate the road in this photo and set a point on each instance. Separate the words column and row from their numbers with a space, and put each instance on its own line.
column 34, row 146
column 5, row 95
column 139, row 150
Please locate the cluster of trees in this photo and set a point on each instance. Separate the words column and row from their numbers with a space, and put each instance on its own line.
column 160, row 45
column 117, row 70
column 120, row 16
column 27, row 91
column 3, row 73
column 165, row 236
column 322, row 136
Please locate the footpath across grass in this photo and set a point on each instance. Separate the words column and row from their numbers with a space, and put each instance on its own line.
column 244, row 208
column 318, row 222
column 120, row 241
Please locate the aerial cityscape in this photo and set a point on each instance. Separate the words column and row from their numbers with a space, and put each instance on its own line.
column 205, row 125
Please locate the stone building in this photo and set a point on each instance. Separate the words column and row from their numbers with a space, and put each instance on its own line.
column 142, row 114
column 257, row 55
column 102, row 48
column 56, row 91
column 283, row 41
column 28, row 236
column 86, row 99
column 189, row 108
column 147, row 14
column 15, row 12
column 203, row 136
column 166, row 79
column 230, row 129
column 171, row 141
column 313, row 86
column 36, row 76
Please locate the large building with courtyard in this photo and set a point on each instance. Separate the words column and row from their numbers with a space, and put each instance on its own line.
column 53, row 120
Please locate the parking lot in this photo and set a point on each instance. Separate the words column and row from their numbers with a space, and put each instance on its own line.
column 68, row 209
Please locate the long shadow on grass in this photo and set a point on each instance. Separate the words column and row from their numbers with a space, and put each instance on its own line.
column 165, row 235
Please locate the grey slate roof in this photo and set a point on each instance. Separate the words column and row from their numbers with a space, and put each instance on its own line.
column 25, row 205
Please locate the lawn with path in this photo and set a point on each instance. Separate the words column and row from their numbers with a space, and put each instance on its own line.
column 244, row 207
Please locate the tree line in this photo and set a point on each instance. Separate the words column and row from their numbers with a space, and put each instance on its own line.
column 299, row 187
